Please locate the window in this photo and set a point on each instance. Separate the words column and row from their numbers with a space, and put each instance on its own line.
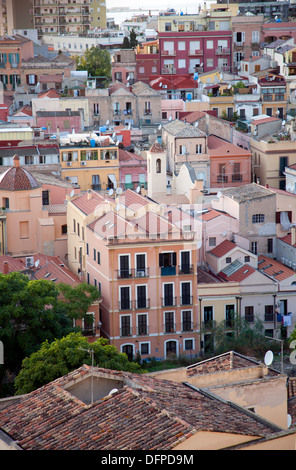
column 169, row 322
column 228, row 260
column 198, row 148
column 247, row 259
column 212, row 241
column 186, row 298
column 141, row 297
column 125, row 302
column 239, row 37
column 45, row 198
column 64, row 229
column 208, row 315
column 5, row 202
column 258, row 218
column 98, row 257
column 254, row 247
column 142, row 324
column 186, row 320
column 249, row 313
column 144, row 348
column 167, row 263
column 283, row 163
column 229, row 315
column 268, row 313
column 181, row 45
column 210, row 62
column 181, row 63
column 168, row 27
column 269, row 245
column 124, row 263
column 188, row 344
column 255, row 36
column 158, row 165
column 95, row 254
column 24, row 229
column 125, row 326
column 168, row 291
column 210, row 44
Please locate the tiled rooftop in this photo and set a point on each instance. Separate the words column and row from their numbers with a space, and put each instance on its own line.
column 223, row 248
column 145, row 414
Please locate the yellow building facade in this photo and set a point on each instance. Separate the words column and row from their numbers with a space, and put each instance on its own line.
column 91, row 167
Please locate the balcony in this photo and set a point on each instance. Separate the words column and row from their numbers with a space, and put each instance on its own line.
column 195, row 52
column 125, row 305
column 186, row 300
column 222, row 51
column 130, row 273
column 167, row 70
column 124, row 273
column 237, row 177
column 208, row 324
column 249, row 318
column 126, row 331
column 142, row 330
column 168, row 53
column 141, row 272
column 187, row 326
column 142, row 303
column 186, row 269
column 170, row 328
column 270, row 317
column 168, row 270
column 169, row 301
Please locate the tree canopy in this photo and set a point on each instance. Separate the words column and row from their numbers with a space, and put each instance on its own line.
column 131, row 42
column 34, row 311
column 53, row 360
column 97, row 62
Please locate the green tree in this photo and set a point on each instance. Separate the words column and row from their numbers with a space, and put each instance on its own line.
column 131, row 42
column 33, row 311
column 97, row 62
column 53, row 360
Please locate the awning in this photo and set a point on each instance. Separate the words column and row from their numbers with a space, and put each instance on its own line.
column 113, row 179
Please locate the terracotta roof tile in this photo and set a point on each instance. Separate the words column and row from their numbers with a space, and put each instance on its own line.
column 274, row 269
column 145, row 413
column 223, row 248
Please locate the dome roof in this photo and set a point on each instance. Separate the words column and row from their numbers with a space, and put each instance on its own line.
column 17, row 178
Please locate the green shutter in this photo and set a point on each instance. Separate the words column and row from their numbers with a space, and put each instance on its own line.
column 10, row 57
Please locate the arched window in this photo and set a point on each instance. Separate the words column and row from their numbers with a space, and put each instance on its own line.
column 158, row 165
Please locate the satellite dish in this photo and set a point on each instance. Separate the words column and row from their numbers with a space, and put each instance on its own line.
column 114, row 390
column 159, row 127
column 110, row 192
column 119, row 190
column 72, row 193
column 107, row 123
column 138, row 189
column 196, row 124
column 170, row 118
column 37, row 263
column 289, row 421
column 268, row 358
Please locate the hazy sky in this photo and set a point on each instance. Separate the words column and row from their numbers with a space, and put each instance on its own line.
column 189, row 6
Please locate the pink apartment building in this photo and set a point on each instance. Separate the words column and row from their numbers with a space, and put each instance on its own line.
column 33, row 213
column 145, row 268
column 195, row 51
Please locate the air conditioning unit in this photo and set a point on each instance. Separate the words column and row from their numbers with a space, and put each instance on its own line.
column 29, row 261
column 83, row 163
column 69, row 163
column 140, row 273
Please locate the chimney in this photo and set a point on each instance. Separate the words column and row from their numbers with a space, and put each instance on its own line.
column 293, row 235
column 5, row 267
column 89, row 194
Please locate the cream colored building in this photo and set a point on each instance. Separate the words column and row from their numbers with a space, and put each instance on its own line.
column 62, row 17
column 270, row 157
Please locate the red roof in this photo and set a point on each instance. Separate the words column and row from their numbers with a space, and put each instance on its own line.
column 219, row 147
column 240, row 274
column 274, row 269
column 223, row 248
column 87, row 202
